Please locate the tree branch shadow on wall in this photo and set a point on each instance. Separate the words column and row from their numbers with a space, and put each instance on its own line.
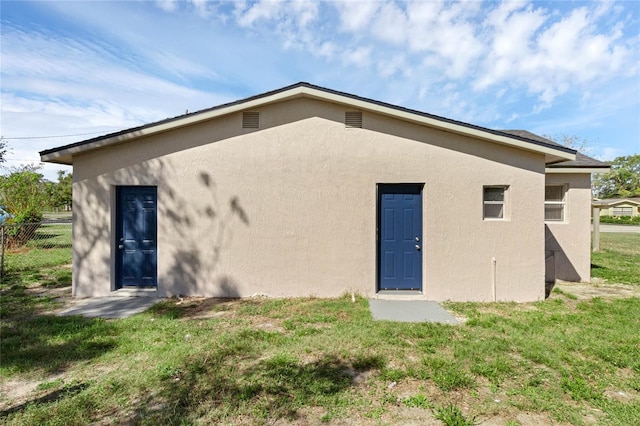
column 557, row 264
column 195, row 264
column 195, row 261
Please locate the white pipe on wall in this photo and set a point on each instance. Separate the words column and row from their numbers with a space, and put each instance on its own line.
column 493, row 276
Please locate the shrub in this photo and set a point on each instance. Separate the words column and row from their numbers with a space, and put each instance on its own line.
column 621, row 220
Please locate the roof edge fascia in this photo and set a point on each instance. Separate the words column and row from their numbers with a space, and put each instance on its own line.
column 304, row 90
column 623, row 201
column 551, row 170
column 170, row 124
column 410, row 116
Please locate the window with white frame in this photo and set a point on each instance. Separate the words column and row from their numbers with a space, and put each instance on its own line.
column 494, row 200
column 623, row 211
column 554, row 203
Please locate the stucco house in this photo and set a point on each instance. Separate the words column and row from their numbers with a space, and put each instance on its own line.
column 310, row 191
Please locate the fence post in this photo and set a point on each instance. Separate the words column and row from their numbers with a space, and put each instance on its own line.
column 2, row 256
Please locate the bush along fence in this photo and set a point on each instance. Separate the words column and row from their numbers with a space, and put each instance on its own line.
column 27, row 246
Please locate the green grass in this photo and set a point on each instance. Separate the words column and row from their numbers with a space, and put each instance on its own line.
column 618, row 261
column 50, row 246
column 562, row 360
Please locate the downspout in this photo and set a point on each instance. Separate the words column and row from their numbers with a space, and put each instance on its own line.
column 493, row 277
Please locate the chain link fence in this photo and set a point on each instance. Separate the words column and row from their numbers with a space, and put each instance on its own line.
column 28, row 246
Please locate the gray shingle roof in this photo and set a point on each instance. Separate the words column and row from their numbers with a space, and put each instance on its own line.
column 581, row 161
column 518, row 134
column 612, row 201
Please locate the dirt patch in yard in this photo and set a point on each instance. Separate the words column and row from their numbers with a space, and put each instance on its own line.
column 597, row 288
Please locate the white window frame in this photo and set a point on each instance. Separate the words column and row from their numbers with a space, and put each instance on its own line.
column 562, row 203
column 622, row 211
column 504, row 202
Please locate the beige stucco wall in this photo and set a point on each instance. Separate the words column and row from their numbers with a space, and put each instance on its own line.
column 290, row 209
column 570, row 240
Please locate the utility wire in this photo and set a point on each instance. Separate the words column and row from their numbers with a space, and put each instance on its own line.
column 53, row 136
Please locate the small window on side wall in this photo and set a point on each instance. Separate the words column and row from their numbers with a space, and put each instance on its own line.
column 494, row 200
column 554, row 203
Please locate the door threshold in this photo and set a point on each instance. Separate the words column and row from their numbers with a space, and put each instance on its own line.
column 135, row 292
column 400, row 295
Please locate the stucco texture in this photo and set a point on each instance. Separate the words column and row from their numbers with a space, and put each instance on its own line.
column 290, row 209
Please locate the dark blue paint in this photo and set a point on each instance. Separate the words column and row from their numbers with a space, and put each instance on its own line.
column 400, row 237
column 136, row 234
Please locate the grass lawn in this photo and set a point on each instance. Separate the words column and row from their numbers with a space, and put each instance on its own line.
column 49, row 246
column 311, row 361
column 619, row 258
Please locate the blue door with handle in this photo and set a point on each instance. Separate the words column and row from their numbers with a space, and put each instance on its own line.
column 400, row 237
column 136, row 233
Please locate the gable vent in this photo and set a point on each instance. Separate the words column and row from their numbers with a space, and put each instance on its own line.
column 353, row 119
column 250, row 120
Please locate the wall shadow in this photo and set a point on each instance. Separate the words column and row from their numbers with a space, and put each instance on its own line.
column 557, row 264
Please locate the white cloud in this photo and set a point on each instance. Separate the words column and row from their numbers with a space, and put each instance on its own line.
column 356, row 15
column 203, row 8
column 395, row 65
column 390, row 24
column 167, row 5
column 247, row 15
column 360, row 56
column 550, row 54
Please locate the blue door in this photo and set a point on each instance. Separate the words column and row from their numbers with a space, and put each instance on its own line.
column 400, row 237
column 136, row 231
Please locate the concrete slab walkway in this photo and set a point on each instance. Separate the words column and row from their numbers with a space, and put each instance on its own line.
column 111, row 306
column 410, row 311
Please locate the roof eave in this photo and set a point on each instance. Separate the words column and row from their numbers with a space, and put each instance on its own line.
column 411, row 116
column 577, row 169
column 64, row 155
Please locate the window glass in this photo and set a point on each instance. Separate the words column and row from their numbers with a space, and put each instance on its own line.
column 493, row 198
column 554, row 193
column 554, row 204
column 493, row 194
column 495, row 211
column 554, row 212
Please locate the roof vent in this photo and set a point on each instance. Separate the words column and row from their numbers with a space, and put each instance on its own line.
column 353, row 119
column 250, row 120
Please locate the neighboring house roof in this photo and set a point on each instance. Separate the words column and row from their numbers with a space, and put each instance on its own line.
column 618, row 201
column 581, row 164
column 524, row 140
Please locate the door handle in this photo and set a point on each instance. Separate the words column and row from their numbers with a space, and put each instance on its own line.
column 120, row 246
column 417, row 246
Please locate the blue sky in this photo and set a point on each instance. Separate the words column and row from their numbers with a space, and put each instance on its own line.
column 74, row 69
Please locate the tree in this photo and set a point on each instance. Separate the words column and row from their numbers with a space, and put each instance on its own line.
column 3, row 149
column 622, row 181
column 571, row 141
column 22, row 194
column 59, row 193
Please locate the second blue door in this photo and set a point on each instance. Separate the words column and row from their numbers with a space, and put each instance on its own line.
column 400, row 237
column 136, row 230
